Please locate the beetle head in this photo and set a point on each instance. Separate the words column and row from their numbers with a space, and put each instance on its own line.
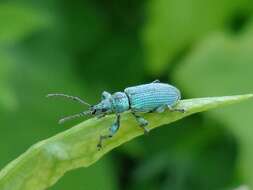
column 104, row 107
column 99, row 110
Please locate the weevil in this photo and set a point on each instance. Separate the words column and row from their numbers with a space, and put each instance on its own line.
column 145, row 98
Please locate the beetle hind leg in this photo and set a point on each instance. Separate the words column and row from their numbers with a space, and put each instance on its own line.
column 142, row 122
column 156, row 81
column 182, row 110
column 113, row 129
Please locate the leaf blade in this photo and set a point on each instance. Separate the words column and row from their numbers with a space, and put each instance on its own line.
column 45, row 162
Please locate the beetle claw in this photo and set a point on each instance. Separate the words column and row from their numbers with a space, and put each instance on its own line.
column 182, row 110
column 146, row 131
column 99, row 146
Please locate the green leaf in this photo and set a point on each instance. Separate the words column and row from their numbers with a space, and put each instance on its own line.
column 93, row 177
column 225, row 62
column 173, row 25
column 8, row 99
column 17, row 22
column 45, row 162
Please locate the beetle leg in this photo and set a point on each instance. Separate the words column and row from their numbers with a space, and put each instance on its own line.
column 160, row 109
column 156, row 81
column 113, row 129
column 175, row 109
column 142, row 122
column 100, row 116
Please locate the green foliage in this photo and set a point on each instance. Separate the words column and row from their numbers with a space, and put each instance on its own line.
column 85, row 47
column 7, row 96
column 174, row 25
column 17, row 22
column 233, row 58
column 45, row 162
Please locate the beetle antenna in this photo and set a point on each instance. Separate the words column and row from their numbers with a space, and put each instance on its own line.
column 82, row 114
column 74, row 98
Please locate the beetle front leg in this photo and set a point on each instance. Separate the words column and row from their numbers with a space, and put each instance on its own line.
column 142, row 122
column 113, row 129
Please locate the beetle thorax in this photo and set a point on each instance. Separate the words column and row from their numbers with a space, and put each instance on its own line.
column 120, row 102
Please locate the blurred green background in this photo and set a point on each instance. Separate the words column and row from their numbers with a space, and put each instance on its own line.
column 81, row 48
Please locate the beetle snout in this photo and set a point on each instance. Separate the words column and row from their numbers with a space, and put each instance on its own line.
column 101, row 108
column 96, row 110
column 93, row 110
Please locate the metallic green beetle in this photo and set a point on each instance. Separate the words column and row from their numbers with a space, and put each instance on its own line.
column 146, row 98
